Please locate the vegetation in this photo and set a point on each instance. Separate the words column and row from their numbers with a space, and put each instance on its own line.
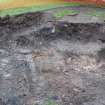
column 16, row 11
column 61, row 14
column 99, row 14
column 51, row 102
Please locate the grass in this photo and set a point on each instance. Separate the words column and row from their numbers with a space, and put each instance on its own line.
column 17, row 11
column 51, row 102
column 61, row 14
column 99, row 14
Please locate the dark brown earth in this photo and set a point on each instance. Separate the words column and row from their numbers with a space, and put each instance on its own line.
column 44, row 59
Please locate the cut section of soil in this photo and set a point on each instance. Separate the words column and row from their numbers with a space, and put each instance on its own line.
column 44, row 60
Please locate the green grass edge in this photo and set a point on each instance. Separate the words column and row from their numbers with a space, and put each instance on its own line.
column 22, row 10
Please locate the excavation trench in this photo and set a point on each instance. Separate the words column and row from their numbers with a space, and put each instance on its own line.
column 43, row 59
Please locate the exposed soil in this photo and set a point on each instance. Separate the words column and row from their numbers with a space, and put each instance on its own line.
column 41, row 59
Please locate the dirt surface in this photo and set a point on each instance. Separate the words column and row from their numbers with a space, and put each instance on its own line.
column 45, row 59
